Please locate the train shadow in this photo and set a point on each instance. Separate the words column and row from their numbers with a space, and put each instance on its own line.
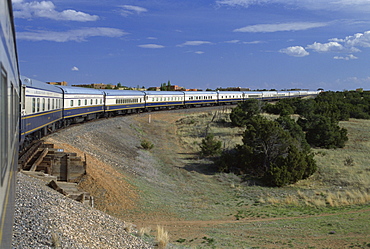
column 195, row 163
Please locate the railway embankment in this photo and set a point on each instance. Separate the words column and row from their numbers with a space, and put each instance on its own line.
column 171, row 186
column 45, row 218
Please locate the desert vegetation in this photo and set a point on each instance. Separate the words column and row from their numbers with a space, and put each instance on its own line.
column 338, row 186
column 200, row 207
column 278, row 151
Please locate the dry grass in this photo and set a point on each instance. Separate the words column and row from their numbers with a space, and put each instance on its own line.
column 291, row 200
column 273, row 200
column 144, row 231
column 129, row 227
column 323, row 199
column 162, row 237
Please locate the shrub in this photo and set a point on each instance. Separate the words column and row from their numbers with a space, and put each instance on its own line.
column 240, row 115
column 210, row 146
column 271, row 153
column 147, row 145
column 323, row 132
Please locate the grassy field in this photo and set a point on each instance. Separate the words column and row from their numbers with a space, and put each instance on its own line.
column 174, row 189
column 329, row 210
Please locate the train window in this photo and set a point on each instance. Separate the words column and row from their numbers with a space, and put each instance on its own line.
column 33, row 105
column 79, row 102
column 4, row 123
column 43, row 104
column 38, row 105
column 52, row 104
column 71, row 102
column 91, row 101
column 101, row 101
column 11, row 109
column 85, row 101
column 23, row 97
column 16, row 106
column 48, row 104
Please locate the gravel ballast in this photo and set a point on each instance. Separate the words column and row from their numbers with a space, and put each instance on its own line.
column 46, row 219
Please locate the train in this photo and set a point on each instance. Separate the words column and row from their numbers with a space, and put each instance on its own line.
column 31, row 109
column 9, row 121
column 46, row 108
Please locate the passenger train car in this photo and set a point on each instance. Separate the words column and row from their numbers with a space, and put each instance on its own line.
column 81, row 104
column 47, row 108
column 41, row 109
column 155, row 100
column 122, row 102
column 9, row 121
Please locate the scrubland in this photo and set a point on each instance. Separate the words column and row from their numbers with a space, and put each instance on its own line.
column 172, row 187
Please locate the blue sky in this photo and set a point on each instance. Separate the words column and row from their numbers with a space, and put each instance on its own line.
column 202, row 44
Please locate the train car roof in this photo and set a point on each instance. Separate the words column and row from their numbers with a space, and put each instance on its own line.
column 164, row 93
column 80, row 90
column 200, row 92
column 32, row 83
column 123, row 93
column 230, row 92
column 252, row 92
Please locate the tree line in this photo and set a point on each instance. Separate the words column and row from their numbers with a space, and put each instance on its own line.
column 278, row 151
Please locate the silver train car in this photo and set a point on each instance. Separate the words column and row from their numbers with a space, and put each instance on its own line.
column 46, row 108
column 9, row 121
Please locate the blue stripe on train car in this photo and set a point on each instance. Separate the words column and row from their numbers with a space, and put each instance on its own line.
column 158, row 104
column 80, row 111
column 110, row 108
column 34, row 122
column 229, row 100
column 201, row 101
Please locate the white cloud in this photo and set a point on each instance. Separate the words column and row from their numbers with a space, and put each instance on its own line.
column 254, row 42
column 150, row 46
column 349, row 57
column 78, row 35
column 193, row 43
column 293, row 26
column 46, row 9
column 358, row 40
column 242, row 3
column 349, row 44
column 131, row 9
column 296, row 51
column 75, row 69
column 199, row 52
column 233, row 41
column 326, row 47
column 331, row 5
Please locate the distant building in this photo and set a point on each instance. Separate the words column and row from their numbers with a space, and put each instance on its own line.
column 176, row 88
column 60, row 83
column 237, row 89
column 154, row 88
column 97, row 86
